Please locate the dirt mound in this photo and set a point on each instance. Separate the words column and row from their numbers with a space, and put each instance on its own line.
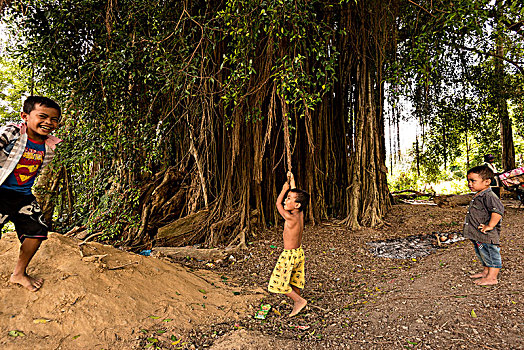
column 96, row 296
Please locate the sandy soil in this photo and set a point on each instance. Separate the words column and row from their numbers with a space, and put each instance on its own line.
column 356, row 300
column 108, row 299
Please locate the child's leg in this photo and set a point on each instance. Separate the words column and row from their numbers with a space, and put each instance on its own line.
column 298, row 302
column 296, row 289
column 491, row 256
column 20, row 276
column 484, row 272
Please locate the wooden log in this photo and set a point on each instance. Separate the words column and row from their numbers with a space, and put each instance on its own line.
column 175, row 233
column 191, row 252
column 452, row 200
column 410, row 194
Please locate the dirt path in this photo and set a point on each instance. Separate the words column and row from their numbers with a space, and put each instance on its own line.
column 360, row 301
column 356, row 300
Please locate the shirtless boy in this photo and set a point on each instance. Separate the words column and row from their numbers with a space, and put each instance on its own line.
column 288, row 275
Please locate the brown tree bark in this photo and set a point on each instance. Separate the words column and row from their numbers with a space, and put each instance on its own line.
column 506, row 131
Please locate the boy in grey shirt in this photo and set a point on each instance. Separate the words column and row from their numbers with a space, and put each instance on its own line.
column 482, row 224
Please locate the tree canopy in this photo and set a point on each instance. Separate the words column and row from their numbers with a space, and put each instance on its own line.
column 178, row 107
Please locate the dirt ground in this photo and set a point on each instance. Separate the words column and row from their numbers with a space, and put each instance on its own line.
column 356, row 299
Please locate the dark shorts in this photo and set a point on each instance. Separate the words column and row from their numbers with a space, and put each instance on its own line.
column 23, row 211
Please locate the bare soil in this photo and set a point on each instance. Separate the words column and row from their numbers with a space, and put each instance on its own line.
column 356, row 299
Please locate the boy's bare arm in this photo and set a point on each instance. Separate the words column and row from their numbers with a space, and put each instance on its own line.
column 495, row 218
column 284, row 213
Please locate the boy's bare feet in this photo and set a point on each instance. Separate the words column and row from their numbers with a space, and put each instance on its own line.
column 478, row 275
column 298, row 306
column 30, row 283
column 486, row 282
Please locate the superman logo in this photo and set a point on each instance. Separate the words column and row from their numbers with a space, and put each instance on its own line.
column 28, row 165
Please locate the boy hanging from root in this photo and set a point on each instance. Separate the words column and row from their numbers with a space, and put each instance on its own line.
column 288, row 275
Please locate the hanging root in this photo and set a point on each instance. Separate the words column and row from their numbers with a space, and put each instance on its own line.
column 241, row 238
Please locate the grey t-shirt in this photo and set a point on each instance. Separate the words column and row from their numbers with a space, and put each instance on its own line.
column 479, row 212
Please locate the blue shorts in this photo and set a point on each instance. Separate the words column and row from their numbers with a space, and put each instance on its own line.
column 489, row 254
column 23, row 211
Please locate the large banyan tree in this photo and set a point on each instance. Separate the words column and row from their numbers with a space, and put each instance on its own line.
column 196, row 109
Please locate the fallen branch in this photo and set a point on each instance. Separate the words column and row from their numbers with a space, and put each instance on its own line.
column 122, row 266
column 75, row 230
column 317, row 307
column 91, row 258
column 90, row 237
column 418, row 193
column 192, row 252
column 410, row 194
column 450, row 201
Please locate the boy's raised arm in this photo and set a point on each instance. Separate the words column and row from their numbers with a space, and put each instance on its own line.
column 284, row 213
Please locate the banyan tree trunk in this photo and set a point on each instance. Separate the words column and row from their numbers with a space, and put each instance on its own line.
column 368, row 195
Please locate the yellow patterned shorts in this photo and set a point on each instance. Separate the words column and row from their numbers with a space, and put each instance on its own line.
column 288, row 271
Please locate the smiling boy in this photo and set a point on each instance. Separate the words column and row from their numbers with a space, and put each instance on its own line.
column 288, row 275
column 482, row 224
column 24, row 150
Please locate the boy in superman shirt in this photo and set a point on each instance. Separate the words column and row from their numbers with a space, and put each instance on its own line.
column 24, row 150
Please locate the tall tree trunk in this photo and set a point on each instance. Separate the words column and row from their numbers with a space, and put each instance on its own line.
column 506, row 132
column 369, row 197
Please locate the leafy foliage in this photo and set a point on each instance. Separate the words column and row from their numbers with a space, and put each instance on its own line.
column 446, row 64
column 144, row 83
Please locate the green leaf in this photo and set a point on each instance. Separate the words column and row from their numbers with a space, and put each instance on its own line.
column 16, row 334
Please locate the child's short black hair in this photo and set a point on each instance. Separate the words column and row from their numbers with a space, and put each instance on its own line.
column 483, row 171
column 302, row 198
column 489, row 157
column 31, row 101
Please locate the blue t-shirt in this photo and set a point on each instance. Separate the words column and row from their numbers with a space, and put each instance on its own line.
column 23, row 176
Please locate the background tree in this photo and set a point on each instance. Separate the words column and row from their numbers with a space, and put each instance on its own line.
column 447, row 62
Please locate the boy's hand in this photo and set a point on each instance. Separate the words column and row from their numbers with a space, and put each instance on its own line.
column 483, row 228
column 291, row 179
